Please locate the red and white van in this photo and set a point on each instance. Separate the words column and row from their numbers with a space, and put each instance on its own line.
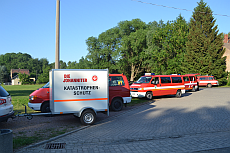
column 190, row 82
column 207, row 81
column 119, row 94
column 157, row 85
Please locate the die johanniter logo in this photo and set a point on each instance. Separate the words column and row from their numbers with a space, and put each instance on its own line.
column 94, row 78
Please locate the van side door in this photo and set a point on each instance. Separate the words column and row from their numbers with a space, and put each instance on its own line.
column 177, row 83
column 186, row 82
column 155, row 84
column 165, row 85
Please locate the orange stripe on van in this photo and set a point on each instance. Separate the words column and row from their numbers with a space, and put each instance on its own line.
column 66, row 100
column 167, row 89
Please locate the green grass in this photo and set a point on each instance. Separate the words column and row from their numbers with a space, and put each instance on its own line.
column 20, row 95
column 23, row 140
column 136, row 101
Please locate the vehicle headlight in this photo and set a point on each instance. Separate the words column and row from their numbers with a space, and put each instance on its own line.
column 32, row 97
column 139, row 88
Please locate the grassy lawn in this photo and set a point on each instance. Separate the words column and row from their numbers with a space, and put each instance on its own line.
column 20, row 95
column 136, row 101
column 23, row 140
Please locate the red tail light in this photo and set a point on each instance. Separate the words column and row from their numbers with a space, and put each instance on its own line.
column 2, row 101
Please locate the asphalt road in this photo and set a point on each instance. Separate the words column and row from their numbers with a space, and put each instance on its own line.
column 196, row 122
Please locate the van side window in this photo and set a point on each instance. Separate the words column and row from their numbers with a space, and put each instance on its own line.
column 116, row 81
column 202, row 78
column 211, row 78
column 192, row 78
column 165, row 80
column 155, row 80
column 186, row 78
column 176, row 80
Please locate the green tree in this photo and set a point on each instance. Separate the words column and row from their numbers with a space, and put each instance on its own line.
column 204, row 51
column 132, row 36
column 102, row 50
column 44, row 77
column 3, row 72
column 166, row 46
column 24, row 78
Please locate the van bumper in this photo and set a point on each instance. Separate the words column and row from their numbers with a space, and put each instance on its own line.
column 183, row 91
column 127, row 99
column 35, row 106
column 138, row 94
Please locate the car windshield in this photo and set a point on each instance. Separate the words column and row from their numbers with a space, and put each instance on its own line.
column 46, row 85
column 144, row 79
column 3, row 92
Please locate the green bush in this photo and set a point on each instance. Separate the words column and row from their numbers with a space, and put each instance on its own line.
column 228, row 81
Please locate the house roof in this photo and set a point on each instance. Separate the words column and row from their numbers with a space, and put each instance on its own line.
column 15, row 77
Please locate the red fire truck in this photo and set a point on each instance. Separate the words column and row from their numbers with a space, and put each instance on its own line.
column 151, row 85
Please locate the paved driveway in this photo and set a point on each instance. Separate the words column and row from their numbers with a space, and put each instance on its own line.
column 196, row 122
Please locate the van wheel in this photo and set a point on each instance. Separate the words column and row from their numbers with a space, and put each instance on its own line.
column 198, row 88
column 88, row 117
column 178, row 94
column 193, row 89
column 149, row 95
column 45, row 108
column 209, row 85
column 117, row 104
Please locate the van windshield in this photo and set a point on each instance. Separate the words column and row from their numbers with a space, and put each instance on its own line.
column 46, row 85
column 144, row 79
column 3, row 92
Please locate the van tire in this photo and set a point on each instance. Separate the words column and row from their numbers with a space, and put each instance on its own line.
column 193, row 89
column 149, row 95
column 88, row 117
column 209, row 85
column 178, row 94
column 45, row 108
column 116, row 104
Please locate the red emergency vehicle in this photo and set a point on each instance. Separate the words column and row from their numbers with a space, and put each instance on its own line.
column 190, row 82
column 207, row 81
column 157, row 85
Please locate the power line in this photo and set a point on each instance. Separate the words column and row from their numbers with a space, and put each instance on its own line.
column 177, row 8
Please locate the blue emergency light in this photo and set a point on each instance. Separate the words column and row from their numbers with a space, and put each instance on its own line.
column 149, row 73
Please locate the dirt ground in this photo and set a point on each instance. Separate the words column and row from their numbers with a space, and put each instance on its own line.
column 46, row 126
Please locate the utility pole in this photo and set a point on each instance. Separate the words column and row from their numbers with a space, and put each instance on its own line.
column 57, row 65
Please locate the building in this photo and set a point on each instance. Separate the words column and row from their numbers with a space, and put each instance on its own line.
column 227, row 51
column 15, row 79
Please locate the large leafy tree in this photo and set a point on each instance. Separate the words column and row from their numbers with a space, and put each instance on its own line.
column 166, row 46
column 102, row 50
column 132, row 36
column 25, row 79
column 204, row 51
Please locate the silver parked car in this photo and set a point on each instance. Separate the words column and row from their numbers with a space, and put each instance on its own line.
column 6, row 108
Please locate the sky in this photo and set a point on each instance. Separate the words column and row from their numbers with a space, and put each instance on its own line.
column 29, row 26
